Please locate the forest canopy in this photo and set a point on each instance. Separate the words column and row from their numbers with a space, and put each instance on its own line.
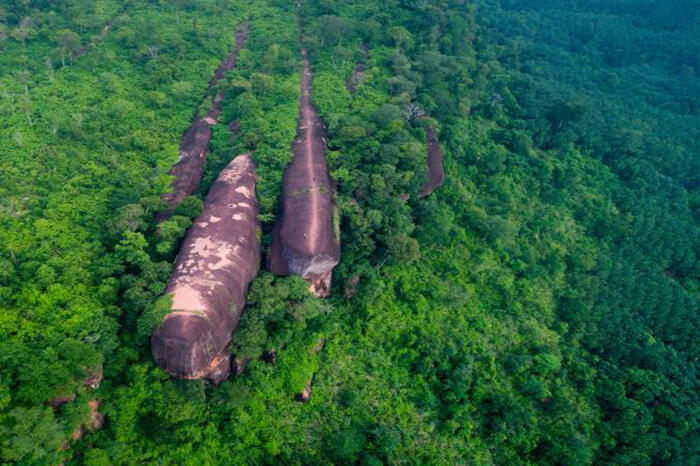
column 541, row 307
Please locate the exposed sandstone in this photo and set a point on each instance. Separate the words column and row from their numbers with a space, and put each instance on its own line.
column 97, row 419
column 58, row 401
column 94, row 423
column 93, row 377
column 306, row 238
column 436, row 173
column 194, row 147
column 305, row 395
column 219, row 257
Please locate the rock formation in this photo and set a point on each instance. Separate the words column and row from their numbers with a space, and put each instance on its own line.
column 305, row 395
column 194, row 147
column 93, row 379
column 306, row 236
column 95, row 423
column 354, row 79
column 59, row 400
column 241, row 365
column 351, row 286
column 436, row 173
column 218, row 258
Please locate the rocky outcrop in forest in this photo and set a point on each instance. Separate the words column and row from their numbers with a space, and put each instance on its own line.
column 354, row 79
column 306, row 237
column 194, row 147
column 218, row 259
column 436, row 173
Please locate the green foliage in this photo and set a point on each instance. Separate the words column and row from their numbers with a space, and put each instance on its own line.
column 33, row 436
column 278, row 311
column 539, row 308
column 172, row 230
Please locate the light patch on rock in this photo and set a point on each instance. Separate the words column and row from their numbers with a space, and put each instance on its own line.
column 243, row 190
column 187, row 298
column 224, row 261
column 203, row 246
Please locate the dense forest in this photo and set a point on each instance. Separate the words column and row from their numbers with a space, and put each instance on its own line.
column 540, row 307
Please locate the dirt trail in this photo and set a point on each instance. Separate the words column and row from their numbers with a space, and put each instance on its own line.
column 194, row 147
column 436, row 173
column 305, row 239
column 218, row 258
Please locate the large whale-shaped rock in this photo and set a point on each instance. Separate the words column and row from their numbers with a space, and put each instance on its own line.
column 218, row 259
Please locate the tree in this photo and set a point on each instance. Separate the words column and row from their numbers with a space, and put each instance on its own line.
column 402, row 249
column 49, row 66
column 23, row 76
column 27, row 107
column 181, row 89
column 332, row 29
column 69, row 42
column 24, row 30
column 34, row 436
column 562, row 113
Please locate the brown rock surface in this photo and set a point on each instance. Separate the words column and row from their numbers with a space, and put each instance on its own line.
column 218, row 258
column 305, row 241
column 241, row 365
column 96, row 421
column 320, row 345
column 305, row 395
column 93, row 377
column 436, row 173
column 351, row 286
column 58, row 401
column 194, row 147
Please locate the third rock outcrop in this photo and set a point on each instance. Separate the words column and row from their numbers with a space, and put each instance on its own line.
column 436, row 173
